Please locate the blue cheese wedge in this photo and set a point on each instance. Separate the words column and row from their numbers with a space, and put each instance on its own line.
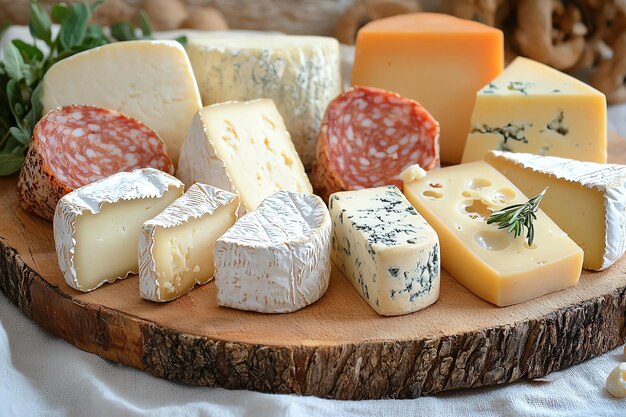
column 97, row 227
column 176, row 247
column 386, row 249
column 275, row 259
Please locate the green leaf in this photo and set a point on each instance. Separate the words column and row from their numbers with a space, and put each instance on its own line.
column 13, row 61
column 145, row 24
column 20, row 135
column 10, row 164
column 96, row 4
column 29, row 52
column 74, row 26
column 182, row 40
column 95, row 31
column 59, row 12
column 32, row 72
column 34, row 114
column 123, row 31
column 39, row 24
column 14, row 97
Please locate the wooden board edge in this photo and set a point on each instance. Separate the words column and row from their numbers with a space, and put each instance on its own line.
column 370, row 370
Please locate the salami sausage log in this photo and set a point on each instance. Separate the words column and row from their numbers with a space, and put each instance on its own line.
column 368, row 137
column 75, row 145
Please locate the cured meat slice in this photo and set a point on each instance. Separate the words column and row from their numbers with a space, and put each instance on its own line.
column 76, row 145
column 368, row 137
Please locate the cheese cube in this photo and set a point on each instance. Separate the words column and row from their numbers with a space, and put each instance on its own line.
column 243, row 148
column 151, row 81
column 97, row 227
column 586, row 199
column 176, row 247
column 438, row 60
column 301, row 74
column 488, row 261
column 386, row 249
column 536, row 109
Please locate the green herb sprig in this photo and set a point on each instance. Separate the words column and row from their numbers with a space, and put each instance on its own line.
column 24, row 64
column 518, row 217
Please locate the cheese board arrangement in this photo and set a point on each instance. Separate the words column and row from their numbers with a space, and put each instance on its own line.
column 225, row 214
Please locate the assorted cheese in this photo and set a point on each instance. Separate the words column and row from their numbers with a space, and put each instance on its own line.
column 176, row 247
column 97, row 226
column 243, row 148
column 490, row 262
column 275, row 259
column 301, row 74
column 386, row 249
column 534, row 108
column 437, row 60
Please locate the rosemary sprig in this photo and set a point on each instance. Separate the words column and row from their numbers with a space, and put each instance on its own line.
column 518, row 217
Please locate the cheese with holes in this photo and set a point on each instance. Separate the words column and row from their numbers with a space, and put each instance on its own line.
column 97, row 226
column 243, row 148
column 534, row 108
column 437, row 60
column 386, row 250
column 587, row 200
column 275, row 259
column 301, row 74
column 151, row 81
column 176, row 246
column 488, row 261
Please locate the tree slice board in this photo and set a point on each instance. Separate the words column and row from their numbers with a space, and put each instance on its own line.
column 337, row 348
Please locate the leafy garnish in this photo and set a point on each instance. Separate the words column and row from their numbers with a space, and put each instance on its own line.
column 518, row 217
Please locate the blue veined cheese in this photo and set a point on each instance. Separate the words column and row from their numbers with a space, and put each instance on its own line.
column 275, row 259
column 386, row 249
column 301, row 74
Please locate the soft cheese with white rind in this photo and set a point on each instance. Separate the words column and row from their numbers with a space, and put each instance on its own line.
column 493, row 264
column 97, row 226
column 587, row 200
column 151, row 81
column 275, row 259
column 244, row 148
column 386, row 249
column 176, row 246
column 301, row 74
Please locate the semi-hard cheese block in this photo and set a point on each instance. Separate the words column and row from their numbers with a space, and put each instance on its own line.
column 586, row 199
column 437, row 60
column 176, row 246
column 488, row 261
column 301, row 74
column 275, row 259
column 243, row 148
column 536, row 109
column 97, row 226
column 151, row 81
column 386, row 250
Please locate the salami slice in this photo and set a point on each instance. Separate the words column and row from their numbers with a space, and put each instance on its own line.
column 368, row 137
column 75, row 145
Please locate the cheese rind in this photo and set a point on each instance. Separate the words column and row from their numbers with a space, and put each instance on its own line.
column 536, row 109
column 386, row 250
column 149, row 80
column 176, row 246
column 488, row 261
column 437, row 60
column 587, row 200
column 301, row 74
column 275, row 259
column 97, row 227
column 243, row 148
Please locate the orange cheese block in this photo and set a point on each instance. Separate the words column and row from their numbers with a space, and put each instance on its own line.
column 438, row 60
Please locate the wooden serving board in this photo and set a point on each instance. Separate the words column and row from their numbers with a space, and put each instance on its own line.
column 337, row 348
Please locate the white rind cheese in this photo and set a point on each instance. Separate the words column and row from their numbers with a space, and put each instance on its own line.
column 594, row 217
column 275, row 259
column 149, row 80
column 243, row 148
column 97, row 227
column 176, row 247
column 300, row 73
column 386, row 249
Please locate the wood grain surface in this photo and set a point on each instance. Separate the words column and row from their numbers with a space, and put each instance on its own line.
column 337, row 348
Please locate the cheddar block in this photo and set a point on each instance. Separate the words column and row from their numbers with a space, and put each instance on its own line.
column 488, row 261
column 438, row 60
column 536, row 109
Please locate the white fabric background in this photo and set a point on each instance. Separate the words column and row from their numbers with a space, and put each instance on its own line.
column 44, row 376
